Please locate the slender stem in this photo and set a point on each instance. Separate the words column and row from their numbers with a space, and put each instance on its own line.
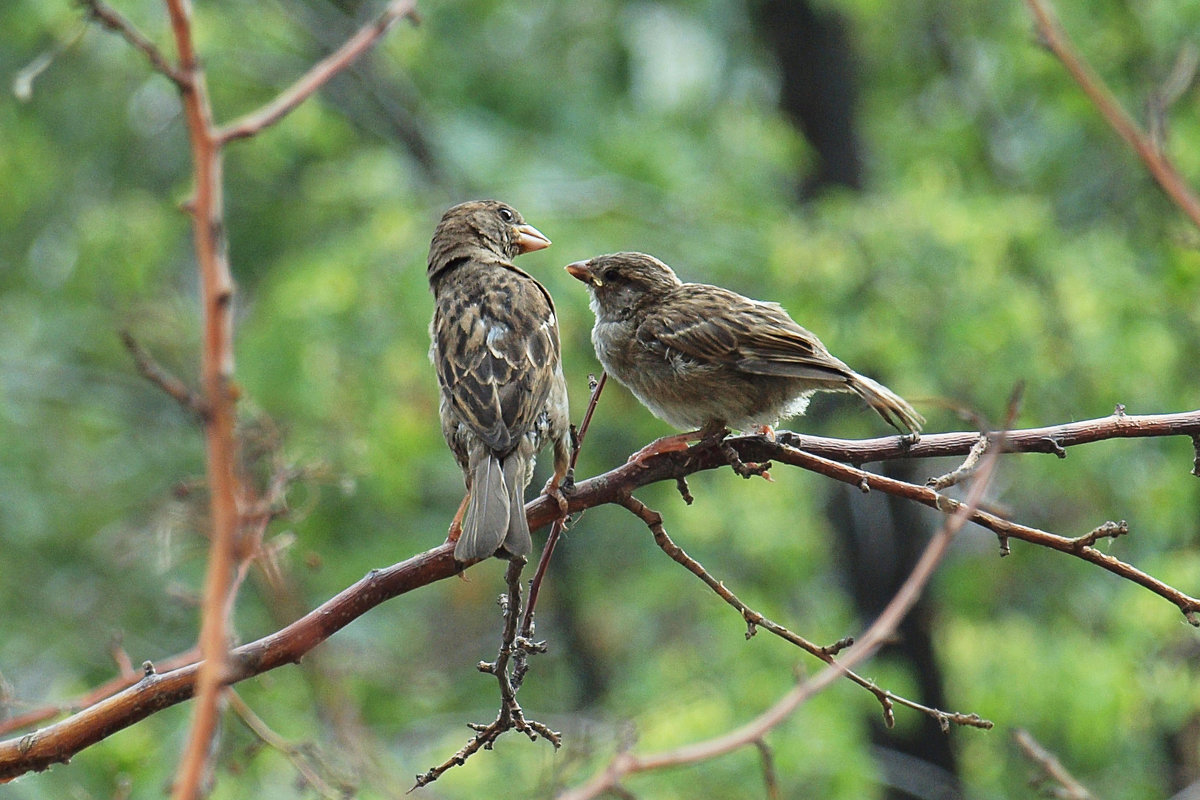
column 557, row 528
column 317, row 76
column 1110, row 108
column 216, row 290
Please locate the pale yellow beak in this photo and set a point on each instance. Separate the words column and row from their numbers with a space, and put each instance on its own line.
column 530, row 238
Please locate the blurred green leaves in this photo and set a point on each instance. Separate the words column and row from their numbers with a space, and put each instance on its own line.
column 1005, row 235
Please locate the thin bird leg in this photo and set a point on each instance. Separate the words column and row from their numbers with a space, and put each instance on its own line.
column 667, row 444
column 456, row 523
column 554, row 488
column 766, row 431
column 712, row 432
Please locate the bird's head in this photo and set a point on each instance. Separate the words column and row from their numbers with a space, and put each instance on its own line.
column 622, row 282
column 482, row 224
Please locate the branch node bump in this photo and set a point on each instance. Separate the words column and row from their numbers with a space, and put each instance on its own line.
column 1055, row 446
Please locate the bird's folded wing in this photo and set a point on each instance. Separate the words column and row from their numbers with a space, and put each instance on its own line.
column 718, row 326
column 498, row 351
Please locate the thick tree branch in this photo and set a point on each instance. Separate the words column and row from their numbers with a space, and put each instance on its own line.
column 57, row 743
column 60, row 741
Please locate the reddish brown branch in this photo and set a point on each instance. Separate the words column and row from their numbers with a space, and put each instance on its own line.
column 59, row 742
column 1110, row 108
column 319, row 74
column 216, row 290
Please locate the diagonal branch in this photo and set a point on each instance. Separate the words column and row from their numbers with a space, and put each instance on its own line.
column 150, row 369
column 1143, row 144
column 756, row 620
column 318, row 75
column 112, row 19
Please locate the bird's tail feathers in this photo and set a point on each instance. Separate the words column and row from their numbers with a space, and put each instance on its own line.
column 486, row 521
column 517, row 540
column 891, row 406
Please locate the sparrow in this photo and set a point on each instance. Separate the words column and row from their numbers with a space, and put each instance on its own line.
column 704, row 359
column 495, row 347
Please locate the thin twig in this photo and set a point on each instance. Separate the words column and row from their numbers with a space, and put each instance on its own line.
column 149, row 369
column 1110, row 108
column 770, row 778
column 755, row 620
column 1067, row 788
column 298, row 756
column 597, row 386
column 318, row 75
column 511, row 716
column 112, row 19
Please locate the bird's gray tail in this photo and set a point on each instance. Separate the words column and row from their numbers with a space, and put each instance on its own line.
column 891, row 406
column 517, row 541
column 486, row 520
column 495, row 514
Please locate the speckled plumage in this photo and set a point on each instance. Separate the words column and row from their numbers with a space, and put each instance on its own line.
column 701, row 357
column 495, row 347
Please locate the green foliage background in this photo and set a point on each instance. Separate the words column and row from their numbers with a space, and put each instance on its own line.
column 1005, row 235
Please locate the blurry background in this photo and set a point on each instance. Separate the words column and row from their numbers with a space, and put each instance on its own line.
column 920, row 184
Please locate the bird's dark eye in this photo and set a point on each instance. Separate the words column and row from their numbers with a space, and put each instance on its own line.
column 506, row 214
column 609, row 275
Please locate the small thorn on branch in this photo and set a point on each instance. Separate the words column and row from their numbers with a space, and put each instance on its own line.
column 1054, row 446
column 682, row 485
column 838, row 646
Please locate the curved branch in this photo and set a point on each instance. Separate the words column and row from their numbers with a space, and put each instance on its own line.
column 60, row 741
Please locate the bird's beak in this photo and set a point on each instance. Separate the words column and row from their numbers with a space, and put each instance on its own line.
column 530, row 238
column 579, row 270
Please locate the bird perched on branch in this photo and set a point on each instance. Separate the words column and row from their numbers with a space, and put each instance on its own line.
column 494, row 343
column 702, row 357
